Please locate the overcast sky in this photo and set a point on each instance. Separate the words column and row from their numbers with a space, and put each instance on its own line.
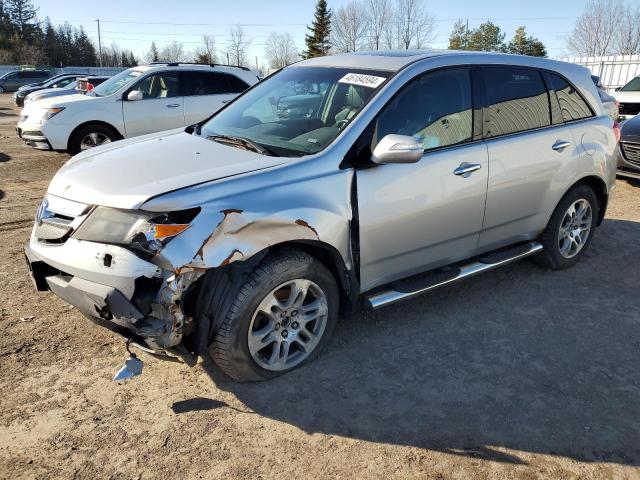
column 134, row 24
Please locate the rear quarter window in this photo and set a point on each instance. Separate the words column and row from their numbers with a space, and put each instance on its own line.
column 517, row 100
column 572, row 105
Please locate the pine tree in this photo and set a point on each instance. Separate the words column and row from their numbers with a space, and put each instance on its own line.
column 153, row 53
column 22, row 16
column 132, row 60
column 522, row 44
column 317, row 40
column 460, row 36
column 488, row 37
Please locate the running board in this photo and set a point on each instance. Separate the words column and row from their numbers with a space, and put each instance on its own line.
column 405, row 289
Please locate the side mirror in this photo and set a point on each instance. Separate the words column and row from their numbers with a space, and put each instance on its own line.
column 134, row 95
column 397, row 149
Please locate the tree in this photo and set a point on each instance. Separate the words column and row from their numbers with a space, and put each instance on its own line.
column 318, row 40
column 238, row 45
column 594, row 31
column 379, row 14
column 280, row 50
column 23, row 17
column 522, row 44
column 460, row 38
column 416, row 24
column 173, row 52
column 349, row 27
column 206, row 53
column 627, row 37
column 488, row 37
column 152, row 55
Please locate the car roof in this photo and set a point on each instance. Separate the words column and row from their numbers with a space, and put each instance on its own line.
column 395, row 60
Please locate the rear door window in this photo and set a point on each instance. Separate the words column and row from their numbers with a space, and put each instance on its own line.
column 235, row 84
column 517, row 100
column 572, row 105
column 211, row 83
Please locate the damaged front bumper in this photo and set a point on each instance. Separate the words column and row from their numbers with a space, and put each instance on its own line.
column 114, row 288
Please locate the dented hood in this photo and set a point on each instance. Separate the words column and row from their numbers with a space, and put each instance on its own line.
column 127, row 173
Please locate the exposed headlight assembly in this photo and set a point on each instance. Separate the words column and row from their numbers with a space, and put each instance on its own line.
column 144, row 231
column 49, row 113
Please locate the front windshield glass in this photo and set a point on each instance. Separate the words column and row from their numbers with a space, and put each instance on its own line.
column 298, row 111
column 632, row 86
column 115, row 83
column 72, row 85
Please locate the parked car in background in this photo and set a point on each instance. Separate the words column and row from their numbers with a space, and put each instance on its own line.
column 608, row 101
column 137, row 101
column 629, row 162
column 86, row 84
column 629, row 99
column 59, row 81
column 74, row 88
column 242, row 236
column 12, row 81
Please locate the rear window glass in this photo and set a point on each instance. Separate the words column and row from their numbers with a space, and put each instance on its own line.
column 518, row 100
column 572, row 105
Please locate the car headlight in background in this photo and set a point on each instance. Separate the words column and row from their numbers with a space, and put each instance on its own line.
column 144, row 231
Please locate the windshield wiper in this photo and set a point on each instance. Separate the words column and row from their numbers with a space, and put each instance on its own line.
column 242, row 142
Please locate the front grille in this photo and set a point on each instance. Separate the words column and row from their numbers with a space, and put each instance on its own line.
column 57, row 218
column 629, row 108
column 631, row 152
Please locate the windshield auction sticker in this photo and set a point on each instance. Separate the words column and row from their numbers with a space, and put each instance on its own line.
column 370, row 81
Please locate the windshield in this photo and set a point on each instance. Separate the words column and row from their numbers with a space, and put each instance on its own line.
column 297, row 111
column 72, row 85
column 632, row 86
column 115, row 83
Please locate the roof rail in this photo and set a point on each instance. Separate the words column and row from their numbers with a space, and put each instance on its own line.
column 176, row 64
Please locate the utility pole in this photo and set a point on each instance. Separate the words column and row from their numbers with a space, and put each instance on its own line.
column 227, row 58
column 257, row 68
column 99, row 42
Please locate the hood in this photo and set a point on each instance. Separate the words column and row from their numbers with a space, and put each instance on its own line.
column 127, row 173
column 624, row 97
column 64, row 102
column 54, row 92
column 23, row 91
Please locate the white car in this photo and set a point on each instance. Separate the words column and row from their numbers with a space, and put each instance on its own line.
column 629, row 99
column 141, row 100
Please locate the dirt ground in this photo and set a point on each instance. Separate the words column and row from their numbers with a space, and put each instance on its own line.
column 517, row 374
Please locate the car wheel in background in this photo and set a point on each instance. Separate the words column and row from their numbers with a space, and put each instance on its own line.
column 91, row 136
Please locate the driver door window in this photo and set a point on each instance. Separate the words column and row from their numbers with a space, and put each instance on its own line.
column 161, row 107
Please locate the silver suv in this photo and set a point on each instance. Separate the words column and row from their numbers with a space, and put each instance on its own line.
column 359, row 179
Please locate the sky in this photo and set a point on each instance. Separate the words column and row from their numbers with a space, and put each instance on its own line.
column 134, row 24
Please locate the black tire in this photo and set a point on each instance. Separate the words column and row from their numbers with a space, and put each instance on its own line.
column 75, row 143
column 551, row 257
column 230, row 349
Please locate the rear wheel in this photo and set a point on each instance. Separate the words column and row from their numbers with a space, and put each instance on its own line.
column 570, row 229
column 280, row 318
column 91, row 136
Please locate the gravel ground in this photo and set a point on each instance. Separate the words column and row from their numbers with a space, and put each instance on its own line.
column 520, row 373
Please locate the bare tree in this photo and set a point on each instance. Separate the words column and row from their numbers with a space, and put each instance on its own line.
column 349, row 27
column 379, row 15
column 416, row 25
column 206, row 53
column 238, row 44
column 280, row 50
column 627, row 37
column 173, row 52
column 594, row 31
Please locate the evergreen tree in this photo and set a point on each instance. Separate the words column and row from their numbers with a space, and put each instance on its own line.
column 22, row 15
column 488, row 37
column 317, row 41
column 460, row 37
column 84, row 50
column 153, row 55
column 132, row 60
column 522, row 44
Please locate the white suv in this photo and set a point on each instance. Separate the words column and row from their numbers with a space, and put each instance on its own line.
column 137, row 101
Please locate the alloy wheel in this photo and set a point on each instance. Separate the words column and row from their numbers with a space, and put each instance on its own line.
column 288, row 325
column 93, row 140
column 575, row 228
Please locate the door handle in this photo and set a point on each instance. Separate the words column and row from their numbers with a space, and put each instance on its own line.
column 465, row 169
column 173, row 105
column 225, row 101
column 560, row 145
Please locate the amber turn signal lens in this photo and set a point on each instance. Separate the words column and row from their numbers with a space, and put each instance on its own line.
column 164, row 231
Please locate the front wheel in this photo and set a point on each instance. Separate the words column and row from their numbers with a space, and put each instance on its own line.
column 1, row 89
column 91, row 136
column 570, row 229
column 280, row 318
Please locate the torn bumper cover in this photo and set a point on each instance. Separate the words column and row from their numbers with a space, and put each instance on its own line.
column 113, row 287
